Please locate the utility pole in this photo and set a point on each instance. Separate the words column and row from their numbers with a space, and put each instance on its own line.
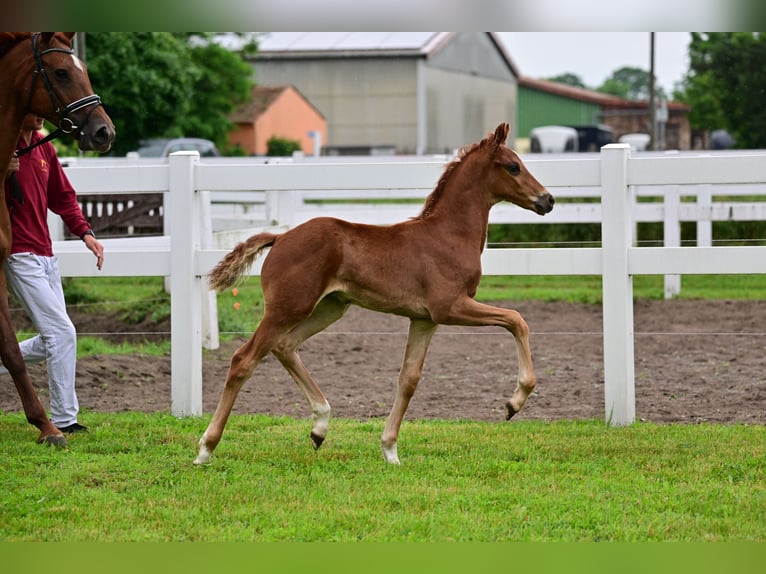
column 652, row 110
column 79, row 45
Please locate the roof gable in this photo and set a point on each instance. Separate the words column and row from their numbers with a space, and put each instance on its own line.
column 262, row 98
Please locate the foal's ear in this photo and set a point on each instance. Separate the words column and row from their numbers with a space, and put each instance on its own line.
column 501, row 134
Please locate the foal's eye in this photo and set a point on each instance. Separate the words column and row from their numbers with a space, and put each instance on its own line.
column 513, row 168
column 61, row 73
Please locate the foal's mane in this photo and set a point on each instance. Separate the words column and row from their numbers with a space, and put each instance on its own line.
column 435, row 195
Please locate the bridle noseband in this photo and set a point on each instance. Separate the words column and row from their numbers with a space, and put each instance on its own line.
column 66, row 125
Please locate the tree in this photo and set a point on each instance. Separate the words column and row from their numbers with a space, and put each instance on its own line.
column 629, row 83
column 224, row 82
column 569, row 79
column 161, row 84
column 726, row 83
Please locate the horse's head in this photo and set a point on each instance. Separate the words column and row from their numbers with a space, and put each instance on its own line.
column 60, row 91
column 509, row 178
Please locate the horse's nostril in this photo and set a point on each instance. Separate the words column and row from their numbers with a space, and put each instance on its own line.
column 104, row 134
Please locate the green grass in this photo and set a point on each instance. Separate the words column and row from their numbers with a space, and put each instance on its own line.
column 132, row 479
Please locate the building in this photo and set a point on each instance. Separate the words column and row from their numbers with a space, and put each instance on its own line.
column 542, row 102
column 277, row 111
column 395, row 92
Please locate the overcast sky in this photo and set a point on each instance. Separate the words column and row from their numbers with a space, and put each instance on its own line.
column 595, row 55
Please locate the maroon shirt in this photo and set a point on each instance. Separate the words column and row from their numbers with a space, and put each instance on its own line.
column 45, row 186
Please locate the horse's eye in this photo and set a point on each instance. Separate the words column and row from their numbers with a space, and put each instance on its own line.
column 61, row 74
column 513, row 168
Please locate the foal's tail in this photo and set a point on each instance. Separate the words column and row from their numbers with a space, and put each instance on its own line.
column 238, row 261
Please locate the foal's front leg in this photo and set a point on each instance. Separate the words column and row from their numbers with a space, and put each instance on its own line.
column 469, row 312
column 418, row 339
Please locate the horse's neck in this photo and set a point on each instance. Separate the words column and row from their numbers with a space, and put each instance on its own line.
column 462, row 207
column 11, row 118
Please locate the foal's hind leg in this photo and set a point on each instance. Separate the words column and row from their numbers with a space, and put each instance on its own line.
column 325, row 314
column 418, row 339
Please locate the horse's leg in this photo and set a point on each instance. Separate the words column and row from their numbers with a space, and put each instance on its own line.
column 472, row 313
column 418, row 339
column 10, row 354
column 325, row 314
column 242, row 365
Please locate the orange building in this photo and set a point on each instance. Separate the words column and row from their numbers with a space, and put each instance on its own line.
column 277, row 111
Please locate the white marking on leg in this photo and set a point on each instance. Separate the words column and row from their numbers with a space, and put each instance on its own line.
column 389, row 453
column 204, row 454
column 321, row 419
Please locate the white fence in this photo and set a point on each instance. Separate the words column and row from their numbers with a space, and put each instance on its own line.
column 186, row 254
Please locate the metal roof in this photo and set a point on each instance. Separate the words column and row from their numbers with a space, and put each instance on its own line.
column 416, row 42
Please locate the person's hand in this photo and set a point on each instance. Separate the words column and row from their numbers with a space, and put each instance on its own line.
column 13, row 166
column 98, row 250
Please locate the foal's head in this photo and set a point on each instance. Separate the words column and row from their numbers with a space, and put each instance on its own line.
column 508, row 179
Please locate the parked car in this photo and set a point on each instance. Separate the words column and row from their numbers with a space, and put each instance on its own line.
column 164, row 147
column 594, row 137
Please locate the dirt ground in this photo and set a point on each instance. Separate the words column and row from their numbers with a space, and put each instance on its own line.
column 694, row 361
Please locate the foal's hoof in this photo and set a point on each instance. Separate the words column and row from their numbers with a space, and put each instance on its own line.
column 509, row 411
column 316, row 440
column 57, row 440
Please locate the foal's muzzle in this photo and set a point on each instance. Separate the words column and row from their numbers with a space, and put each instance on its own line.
column 544, row 203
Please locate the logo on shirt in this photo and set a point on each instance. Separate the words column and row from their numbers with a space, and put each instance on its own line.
column 44, row 165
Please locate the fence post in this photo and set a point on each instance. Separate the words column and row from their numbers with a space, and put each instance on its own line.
column 705, row 219
column 209, row 299
column 185, row 301
column 617, row 285
column 671, row 234
column 281, row 207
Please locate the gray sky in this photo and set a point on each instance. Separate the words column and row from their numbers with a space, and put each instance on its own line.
column 595, row 55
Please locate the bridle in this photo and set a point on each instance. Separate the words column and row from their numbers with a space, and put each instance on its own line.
column 66, row 125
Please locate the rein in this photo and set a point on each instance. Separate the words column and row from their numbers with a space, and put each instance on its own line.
column 16, row 191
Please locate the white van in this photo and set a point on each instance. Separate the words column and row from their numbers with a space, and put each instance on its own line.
column 553, row 139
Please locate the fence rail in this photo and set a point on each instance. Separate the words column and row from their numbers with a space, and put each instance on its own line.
column 186, row 252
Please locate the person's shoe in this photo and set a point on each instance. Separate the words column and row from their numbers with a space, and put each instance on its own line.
column 74, row 427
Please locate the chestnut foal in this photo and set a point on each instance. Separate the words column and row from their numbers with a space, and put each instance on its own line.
column 426, row 268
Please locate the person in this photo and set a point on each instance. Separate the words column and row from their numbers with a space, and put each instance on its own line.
column 32, row 271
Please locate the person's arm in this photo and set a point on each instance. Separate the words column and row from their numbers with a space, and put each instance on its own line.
column 62, row 200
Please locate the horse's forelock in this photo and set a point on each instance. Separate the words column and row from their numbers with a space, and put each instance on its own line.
column 9, row 39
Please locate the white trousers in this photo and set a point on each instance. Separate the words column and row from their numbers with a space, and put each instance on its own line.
column 36, row 282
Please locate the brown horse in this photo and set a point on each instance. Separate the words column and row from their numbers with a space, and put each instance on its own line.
column 427, row 269
column 41, row 75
